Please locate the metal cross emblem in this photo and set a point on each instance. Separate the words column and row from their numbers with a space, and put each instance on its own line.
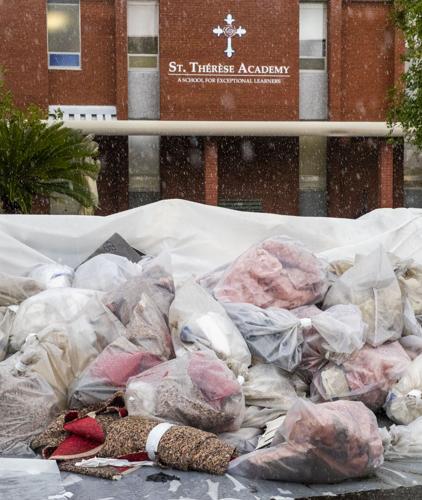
column 229, row 31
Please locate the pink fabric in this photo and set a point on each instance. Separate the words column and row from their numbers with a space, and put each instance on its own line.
column 276, row 273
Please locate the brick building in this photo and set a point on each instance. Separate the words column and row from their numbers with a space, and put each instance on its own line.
column 221, row 60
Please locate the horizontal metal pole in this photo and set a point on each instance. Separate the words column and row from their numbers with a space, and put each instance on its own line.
column 235, row 128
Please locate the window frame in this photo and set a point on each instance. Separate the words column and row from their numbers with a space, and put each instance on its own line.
column 66, row 68
column 146, row 70
column 308, row 4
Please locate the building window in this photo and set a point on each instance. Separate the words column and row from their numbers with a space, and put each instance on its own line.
column 143, row 35
column 64, row 36
column 313, row 36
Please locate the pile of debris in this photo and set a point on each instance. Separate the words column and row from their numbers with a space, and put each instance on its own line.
column 273, row 366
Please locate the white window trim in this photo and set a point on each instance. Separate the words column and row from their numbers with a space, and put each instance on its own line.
column 146, row 70
column 66, row 68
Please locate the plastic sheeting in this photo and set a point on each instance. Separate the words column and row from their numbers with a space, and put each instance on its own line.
column 201, row 238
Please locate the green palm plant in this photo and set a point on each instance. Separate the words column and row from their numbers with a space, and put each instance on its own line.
column 38, row 158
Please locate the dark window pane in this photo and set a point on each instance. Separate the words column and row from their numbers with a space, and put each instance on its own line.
column 316, row 64
column 146, row 62
column 143, row 45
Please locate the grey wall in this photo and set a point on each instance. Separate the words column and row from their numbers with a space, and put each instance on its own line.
column 144, row 95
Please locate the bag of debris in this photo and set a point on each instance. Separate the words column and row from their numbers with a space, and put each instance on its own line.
column 105, row 272
column 404, row 402
column 142, row 304
column 199, row 322
column 155, row 280
column 52, row 275
column 80, row 314
column 27, row 405
column 372, row 286
column 267, row 386
column 324, row 443
column 409, row 274
column 109, row 373
column 277, row 336
column 412, row 344
column 7, row 316
column 367, row 376
column 403, row 442
column 244, row 440
column 272, row 335
column 15, row 289
column 334, row 334
column 278, row 272
column 196, row 389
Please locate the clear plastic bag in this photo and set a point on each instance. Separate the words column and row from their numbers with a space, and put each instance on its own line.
column 52, row 275
column 245, row 439
column 372, row 286
column 367, row 376
column 409, row 274
column 80, row 314
column 156, row 281
column 27, row 405
column 278, row 272
column 412, row 344
column 335, row 334
column 267, row 386
column 325, row 443
column 196, row 389
column 15, row 289
column 109, row 373
column 105, row 272
column 403, row 442
column 272, row 335
column 199, row 322
column 7, row 316
column 404, row 402
column 142, row 304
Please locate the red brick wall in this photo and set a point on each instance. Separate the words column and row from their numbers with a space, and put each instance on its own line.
column 23, row 50
column 272, row 38
column 95, row 83
column 363, row 60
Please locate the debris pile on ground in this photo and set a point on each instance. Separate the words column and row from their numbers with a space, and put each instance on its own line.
column 108, row 367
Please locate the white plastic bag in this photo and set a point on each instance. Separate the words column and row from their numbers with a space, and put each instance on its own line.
column 78, row 313
column 198, row 322
column 372, row 286
column 109, row 373
column 105, row 272
column 404, row 402
column 27, row 405
column 7, row 316
column 272, row 335
column 367, row 376
column 196, row 389
column 15, row 289
column 52, row 275
column 267, row 386
column 403, row 442
column 325, row 443
column 278, row 272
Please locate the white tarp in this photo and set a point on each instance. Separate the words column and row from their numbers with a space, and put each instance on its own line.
column 200, row 237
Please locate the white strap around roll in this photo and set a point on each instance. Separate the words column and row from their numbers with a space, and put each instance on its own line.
column 154, row 438
column 306, row 323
